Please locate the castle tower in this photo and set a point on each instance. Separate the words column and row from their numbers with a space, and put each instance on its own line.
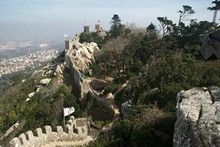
column 67, row 46
column 97, row 26
column 86, row 29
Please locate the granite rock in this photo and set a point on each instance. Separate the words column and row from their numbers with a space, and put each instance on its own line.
column 198, row 118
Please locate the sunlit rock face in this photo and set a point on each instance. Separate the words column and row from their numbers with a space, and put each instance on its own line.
column 80, row 54
column 78, row 58
column 198, row 118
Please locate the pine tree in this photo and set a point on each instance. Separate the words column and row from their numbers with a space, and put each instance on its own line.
column 116, row 26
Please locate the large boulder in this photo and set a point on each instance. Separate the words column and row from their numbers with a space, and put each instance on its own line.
column 30, row 95
column 45, row 81
column 81, row 55
column 211, row 45
column 198, row 118
column 93, row 47
column 126, row 108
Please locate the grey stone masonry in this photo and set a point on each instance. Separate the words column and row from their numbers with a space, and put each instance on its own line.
column 47, row 135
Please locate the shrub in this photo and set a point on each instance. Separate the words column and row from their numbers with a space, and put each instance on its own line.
column 112, row 87
column 145, row 115
column 95, row 70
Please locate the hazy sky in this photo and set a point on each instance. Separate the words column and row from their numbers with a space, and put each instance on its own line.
column 44, row 19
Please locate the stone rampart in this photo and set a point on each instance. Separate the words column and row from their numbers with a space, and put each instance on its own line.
column 75, row 130
column 81, row 84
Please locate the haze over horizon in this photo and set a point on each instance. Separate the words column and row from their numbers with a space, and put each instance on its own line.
column 51, row 19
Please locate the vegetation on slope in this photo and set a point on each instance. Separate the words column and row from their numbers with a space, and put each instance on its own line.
column 157, row 68
column 44, row 108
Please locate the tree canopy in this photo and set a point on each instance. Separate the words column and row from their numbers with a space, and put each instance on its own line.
column 116, row 26
column 187, row 10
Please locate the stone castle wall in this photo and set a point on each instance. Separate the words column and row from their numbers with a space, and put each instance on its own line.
column 81, row 85
column 77, row 59
column 76, row 130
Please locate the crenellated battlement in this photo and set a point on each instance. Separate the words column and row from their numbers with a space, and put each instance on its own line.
column 75, row 130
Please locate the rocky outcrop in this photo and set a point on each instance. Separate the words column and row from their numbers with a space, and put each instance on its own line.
column 126, row 108
column 211, row 45
column 45, row 81
column 80, row 54
column 198, row 118
column 30, row 95
column 78, row 58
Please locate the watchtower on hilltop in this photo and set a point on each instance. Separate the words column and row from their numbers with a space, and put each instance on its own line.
column 86, row 29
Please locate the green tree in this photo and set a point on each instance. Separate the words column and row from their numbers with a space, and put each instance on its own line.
column 110, row 56
column 190, row 36
column 151, row 28
column 11, row 116
column 86, row 37
column 187, row 10
column 1, row 122
column 215, row 8
column 116, row 26
column 166, row 25
column 129, row 57
column 91, row 37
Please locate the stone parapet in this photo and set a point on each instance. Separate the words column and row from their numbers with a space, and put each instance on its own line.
column 76, row 130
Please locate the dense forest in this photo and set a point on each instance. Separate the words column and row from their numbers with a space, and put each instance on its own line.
column 158, row 62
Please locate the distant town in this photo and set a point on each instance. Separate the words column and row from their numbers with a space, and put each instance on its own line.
column 20, row 55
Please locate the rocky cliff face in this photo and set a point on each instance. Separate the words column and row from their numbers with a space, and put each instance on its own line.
column 211, row 45
column 198, row 118
column 80, row 54
column 78, row 58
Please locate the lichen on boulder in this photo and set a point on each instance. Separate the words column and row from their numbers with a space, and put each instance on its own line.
column 198, row 118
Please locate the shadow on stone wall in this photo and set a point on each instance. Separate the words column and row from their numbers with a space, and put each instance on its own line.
column 99, row 108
